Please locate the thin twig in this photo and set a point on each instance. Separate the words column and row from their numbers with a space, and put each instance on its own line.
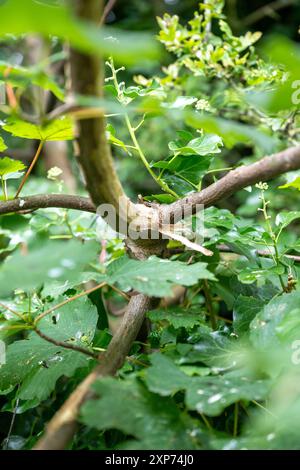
column 6, row 442
column 266, row 10
column 107, row 9
column 70, row 299
column 63, row 344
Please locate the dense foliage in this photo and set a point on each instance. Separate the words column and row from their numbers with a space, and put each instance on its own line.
column 218, row 367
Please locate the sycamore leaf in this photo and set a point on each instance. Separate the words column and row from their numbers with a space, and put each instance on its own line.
column 46, row 262
column 155, row 422
column 177, row 317
column 36, row 364
column 25, row 76
column 59, row 129
column 155, row 276
column 10, row 169
column 210, row 394
column 2, row 145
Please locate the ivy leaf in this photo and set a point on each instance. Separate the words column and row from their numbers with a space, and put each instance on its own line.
column 37, row 364
column 207, row 144
column 10, row 169
column 58, row 129
column 155, row 276
column 154, row 422
column 177, row 317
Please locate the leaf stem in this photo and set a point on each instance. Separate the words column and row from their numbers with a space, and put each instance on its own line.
column 37, row 154
column 163, row 185
column 70, row 299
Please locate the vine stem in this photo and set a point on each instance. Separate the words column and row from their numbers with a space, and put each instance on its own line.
column 272, row 235
column 132, row 130
column 163, row 185
column 25, row 177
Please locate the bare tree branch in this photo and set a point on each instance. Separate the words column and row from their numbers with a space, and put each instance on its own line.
column 263, row 170
column 43, row 201
column 267, row 10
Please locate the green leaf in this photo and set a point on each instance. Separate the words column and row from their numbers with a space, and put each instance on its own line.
column 208, row 395
column 264, row 326
column 58, row 20
column 59, row 129
column 232, row 132
column 155, row 276
column 154, row 422
column 26, row 76
column 211, row 395
column 207, row 144
column 48, row 261
column 244, row 310
column 37, row 364
column 2, row 145
column 177, row 316
column 111, row 137
column 191, row 169
column 10, row 169
column 285, row 218
column 292, row 184
column 253, row 274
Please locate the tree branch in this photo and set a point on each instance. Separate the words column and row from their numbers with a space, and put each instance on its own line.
column 263, row 170
column 43, row 201
column 95, row 157
column 267, row 10
column 63, row 425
